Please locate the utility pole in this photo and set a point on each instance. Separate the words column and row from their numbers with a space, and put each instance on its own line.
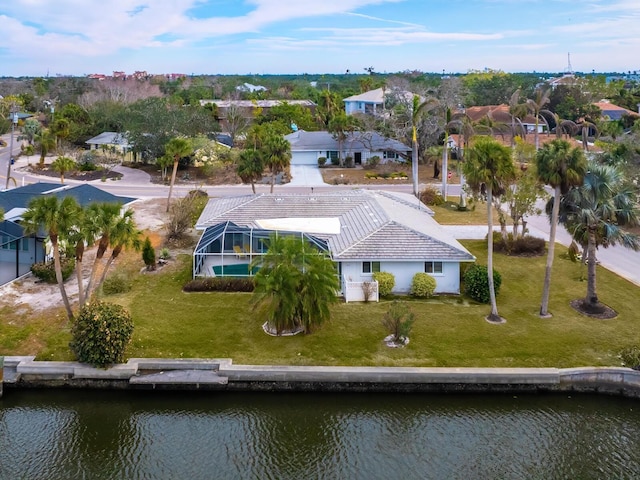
column 14, row 121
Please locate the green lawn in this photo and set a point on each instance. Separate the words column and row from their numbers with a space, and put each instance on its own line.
column 449, row 331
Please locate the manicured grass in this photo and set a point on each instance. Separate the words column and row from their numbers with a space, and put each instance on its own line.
column 448, row 214
column 449, row 331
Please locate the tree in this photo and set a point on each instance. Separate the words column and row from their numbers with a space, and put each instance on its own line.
column 176, row 148
column 418, row 107
column 295, row 285
column 340, row 126
column 535, row 106
column 46, row 142
column 56, row 217
column 250, row 166
column 489, row 163
column 148, row 254
column 521, row 198
column 124, row 234
column 63, row 165
column 597, row 214
column 562, row 167
column 31, row 129
column 276, row 152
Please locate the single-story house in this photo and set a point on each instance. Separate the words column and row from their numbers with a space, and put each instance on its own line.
column 612, row 111
column 500, row 114
column 307, row 147
column 363, row 231
column 19, row 251
column 117, row 142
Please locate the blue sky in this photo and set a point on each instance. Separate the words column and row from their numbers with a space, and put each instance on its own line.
column 79, row 37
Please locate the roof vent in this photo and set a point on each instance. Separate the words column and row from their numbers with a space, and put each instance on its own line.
column 279, row 199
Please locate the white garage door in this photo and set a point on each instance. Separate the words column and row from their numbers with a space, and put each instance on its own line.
column 304, row 158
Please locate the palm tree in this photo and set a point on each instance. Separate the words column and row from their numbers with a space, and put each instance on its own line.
column 100, row 220
column 56, row 217
column 417, row 109
column 295, row 285
column 63, row 165
column 596, row 214
column 340, row 126
column 250, row 166
column 124, row 234
column 489, row 163
column 535, row 106
column 46, row 143
column 561, row 166
column 517, row 111
column 176, row 148
column 277, row 155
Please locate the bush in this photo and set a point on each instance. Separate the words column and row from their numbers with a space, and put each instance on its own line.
column 46, row 271
column 476, row 283
column 184, row 213
column 630, row 357
column 322, row 161
column 335, row 161
column 165, row 254
column 87, row 166
column 386, row 282
column 349, row 163
column 220, row 284
column 117, row 283
column 148, row 254
column 526, row 245
column 100, row 334
column 372, row 162
column 423, row 285
column 431, row 196
column 398, row 321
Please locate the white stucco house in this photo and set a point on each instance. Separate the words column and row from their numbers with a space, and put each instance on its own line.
column 363, row 231
column 307, row 147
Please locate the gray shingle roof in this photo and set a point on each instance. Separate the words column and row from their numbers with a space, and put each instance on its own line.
column 321, row 141
column 373, row 224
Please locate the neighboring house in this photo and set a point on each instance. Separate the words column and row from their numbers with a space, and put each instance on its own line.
column 363, row 231
column 373, row 101
column 19, row 251
column 249, row 108
column 612, row 111
column 307, row 147
column 499, row 114
column 113, row 141
column 566, row 80
column 248, row 87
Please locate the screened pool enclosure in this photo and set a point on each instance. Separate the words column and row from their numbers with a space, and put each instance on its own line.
column 227, row 249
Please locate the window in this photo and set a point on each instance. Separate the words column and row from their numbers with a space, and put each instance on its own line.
column 370, row 267
column 332, row 156
column 390, row 154
column 433, row 267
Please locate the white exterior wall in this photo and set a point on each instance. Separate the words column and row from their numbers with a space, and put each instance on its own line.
column 446, row 282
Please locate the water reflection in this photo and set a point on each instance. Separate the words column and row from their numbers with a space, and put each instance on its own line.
column 77, row 434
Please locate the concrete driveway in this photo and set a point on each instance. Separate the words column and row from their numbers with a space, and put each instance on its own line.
column 305, row 176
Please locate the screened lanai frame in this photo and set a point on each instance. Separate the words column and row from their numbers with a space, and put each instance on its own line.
column 227, row 249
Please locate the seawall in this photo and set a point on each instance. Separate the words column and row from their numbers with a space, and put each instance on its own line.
column 223, row 375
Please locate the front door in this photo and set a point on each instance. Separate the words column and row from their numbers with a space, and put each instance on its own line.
column 357, row 158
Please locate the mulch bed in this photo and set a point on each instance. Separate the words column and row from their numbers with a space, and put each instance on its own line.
column 601, row 311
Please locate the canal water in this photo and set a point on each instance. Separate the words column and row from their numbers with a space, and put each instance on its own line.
column 52, row 434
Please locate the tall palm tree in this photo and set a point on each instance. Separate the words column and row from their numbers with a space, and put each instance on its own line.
column 46, row 142
column 56, row 217
column 176, row 148
column 489, row 163
column 340, row 126
column 596, row 214
column 418, row 107
column 100, row 220
column 124, row 234
column 535, row 106
column 562, row 167
column 277, row 155
column 517, row 111
column 250, row 166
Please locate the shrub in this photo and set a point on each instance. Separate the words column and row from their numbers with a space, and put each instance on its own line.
column 431, row 196
column 630, row 357
column 148, row 254
column 370, row 175
column 349, row 163
column 117, row 283
column 372, row 162
column 220, row 284
column 476, row 283
column 28, row 150
column 322, row 161
column 165, row 254
column 368, row 289
column 184, row 213
column 398, row 321
column 46, row 271
column 100, row 334
column 526, row 245
column 423, row 285
column 386, row 282
column 335, row 161
column 87, row 166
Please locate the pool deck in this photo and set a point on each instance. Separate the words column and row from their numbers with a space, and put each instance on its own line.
column 222, row 374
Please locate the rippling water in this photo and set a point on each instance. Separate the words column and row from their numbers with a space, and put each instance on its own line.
column 117, row 435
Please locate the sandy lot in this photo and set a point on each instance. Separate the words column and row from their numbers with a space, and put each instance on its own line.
column 29, row 294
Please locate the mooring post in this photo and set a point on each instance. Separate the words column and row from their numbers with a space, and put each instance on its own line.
column 1, row 373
